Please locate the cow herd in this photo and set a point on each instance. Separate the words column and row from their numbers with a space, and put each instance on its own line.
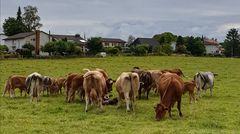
column 95, row 86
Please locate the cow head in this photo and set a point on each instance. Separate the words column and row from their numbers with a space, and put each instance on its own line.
column 160, row 110
column 109, row 83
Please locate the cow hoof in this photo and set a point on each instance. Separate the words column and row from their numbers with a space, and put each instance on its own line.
column 180, row 114
column 128, row 110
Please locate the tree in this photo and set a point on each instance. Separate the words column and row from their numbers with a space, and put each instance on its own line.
column 27, row 50
column 196, row 46
column 3, row 48
column 112, row 50
column 49, row 47
column 60, row 47
column 180, row 47
column 166, row 37
column 31, row 19
column 140, row 50
column 94, row 45
column 232, row 43
column 130, row 39
column 11, row 26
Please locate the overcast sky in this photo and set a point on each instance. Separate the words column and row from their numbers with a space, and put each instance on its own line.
column 140, row 18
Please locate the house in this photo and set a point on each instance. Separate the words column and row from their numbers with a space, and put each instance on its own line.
column 212, row 46
column 71, row 38
column 147, row 41
column 2, row 36
column 112, row 42
column 37, row 39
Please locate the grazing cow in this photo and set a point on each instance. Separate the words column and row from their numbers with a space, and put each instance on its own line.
column 94, row 85
column 47, row 82
column 127, row 86
column 76, row 85
column 68, row 84
column 189, row 87
column 204, row 80
column 34, row 83
column 175, row 71
column 171, row 90
column 60, row 83
column 13, row 82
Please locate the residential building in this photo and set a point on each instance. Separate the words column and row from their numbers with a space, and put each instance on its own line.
column 36, row 38
column 212, row 46
column 2, row 36
column 112, row 42
column 147, row 41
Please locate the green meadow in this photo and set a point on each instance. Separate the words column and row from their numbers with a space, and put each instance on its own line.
column 219, row 113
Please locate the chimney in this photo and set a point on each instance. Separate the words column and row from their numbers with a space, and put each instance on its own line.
column 37, row 49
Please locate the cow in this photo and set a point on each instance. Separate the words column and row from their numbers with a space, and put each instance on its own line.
column 13, row 82
column 76, row 85
column 171, row 90
column 60, row 83
column 155, row 74
column 94, row 85
column 127, row 85
column 145, row 79
column 175, row 71
column 204, row 80
column 54, row 88
column 47, row 82
column 67, row 83
column 34, row 83
column 189, row 87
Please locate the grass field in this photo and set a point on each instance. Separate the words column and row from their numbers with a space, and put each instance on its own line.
column 217, row 114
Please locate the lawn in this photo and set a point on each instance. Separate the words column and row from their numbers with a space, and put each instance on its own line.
column 219, row 113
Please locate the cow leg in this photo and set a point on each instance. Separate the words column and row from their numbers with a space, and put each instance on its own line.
column 4, row 92
column 12, row 93
column 169, row 112
column 179, row 108
column 126, row 95
column 211, row 88
column 87, row 102
column 139, row 93
column 148, row 92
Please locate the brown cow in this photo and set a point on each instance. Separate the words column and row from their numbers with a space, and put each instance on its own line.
column 54, row 90
column 13, row 82
column 175, row 71
column 155, row 74
column 171, row 90
column 76, row 85
column 60, row 83
column 68, row 84
column 189, row 86
column 94, row 85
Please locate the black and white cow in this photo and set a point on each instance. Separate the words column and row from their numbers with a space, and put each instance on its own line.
column 204, row 80
column 34, row 84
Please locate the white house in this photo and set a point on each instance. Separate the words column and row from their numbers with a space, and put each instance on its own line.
column 36, row 38
column 2, row 36
column 212, row 46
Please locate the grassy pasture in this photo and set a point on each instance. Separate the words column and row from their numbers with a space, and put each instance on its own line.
column 217, row 114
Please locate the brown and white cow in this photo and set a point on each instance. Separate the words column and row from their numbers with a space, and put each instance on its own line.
column 13, row 82
column 34, row 83
column 94, row 85
column 189, row 87
column 171, row 90
column 127, row 86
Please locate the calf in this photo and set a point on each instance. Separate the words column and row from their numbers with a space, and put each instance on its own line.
column 34, row 83
column 171, row 90
column 47, row 82
column 94, row 85
column 13, row 82
column 76, row 85
column 60, row 83
column 189, row 86
column 127, row 86
column 68, row 82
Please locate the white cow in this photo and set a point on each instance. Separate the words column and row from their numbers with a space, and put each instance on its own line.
column 34, row 83
column 204, row 80
column 127, row 86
